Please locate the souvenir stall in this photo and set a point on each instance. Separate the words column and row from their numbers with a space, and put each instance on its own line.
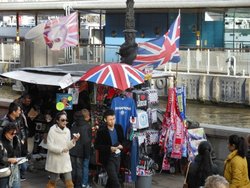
column 135, row 107
column 135, row 110
column 47, row 101
column 144, row 135
column 177, row 141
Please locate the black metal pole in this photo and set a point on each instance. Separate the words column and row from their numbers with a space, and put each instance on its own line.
column 128, row 49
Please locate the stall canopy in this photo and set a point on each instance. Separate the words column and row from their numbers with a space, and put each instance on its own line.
column 49, row 75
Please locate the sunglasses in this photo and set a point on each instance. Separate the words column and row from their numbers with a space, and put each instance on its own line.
column 13, row 133
column 63, row 120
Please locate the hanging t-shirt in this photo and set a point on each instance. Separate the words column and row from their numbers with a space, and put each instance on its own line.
column 124, row 108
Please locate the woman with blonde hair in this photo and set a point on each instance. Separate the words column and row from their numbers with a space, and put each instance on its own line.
column 216, row 181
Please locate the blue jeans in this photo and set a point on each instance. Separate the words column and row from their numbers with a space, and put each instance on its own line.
column 16, row 178
column 85, row 171
column 23, row 168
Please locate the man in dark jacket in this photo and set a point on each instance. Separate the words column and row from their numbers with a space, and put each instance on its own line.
column 80, row 154
column 14, row 117
column 109, row 140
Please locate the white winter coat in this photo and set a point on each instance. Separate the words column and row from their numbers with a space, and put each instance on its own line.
column 57, row 140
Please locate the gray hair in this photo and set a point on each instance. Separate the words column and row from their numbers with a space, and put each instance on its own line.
column 216, row 181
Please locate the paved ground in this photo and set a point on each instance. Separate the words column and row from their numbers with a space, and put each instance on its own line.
column 39, row 178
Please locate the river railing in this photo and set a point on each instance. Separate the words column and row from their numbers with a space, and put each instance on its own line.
column 205, row 61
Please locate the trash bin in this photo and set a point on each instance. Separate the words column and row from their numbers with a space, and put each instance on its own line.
column 144, row 182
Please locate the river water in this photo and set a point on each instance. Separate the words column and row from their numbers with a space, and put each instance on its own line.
column 234, row 116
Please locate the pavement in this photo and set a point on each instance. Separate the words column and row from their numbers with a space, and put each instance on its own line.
column 38, row 178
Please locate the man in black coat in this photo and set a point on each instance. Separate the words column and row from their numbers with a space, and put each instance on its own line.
column 109, row 140
column 80, row 154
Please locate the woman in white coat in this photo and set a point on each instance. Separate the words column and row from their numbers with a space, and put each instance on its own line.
column 58, row 159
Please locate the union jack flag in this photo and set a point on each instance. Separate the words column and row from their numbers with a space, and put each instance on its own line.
column 62, row 32
column 159, row 51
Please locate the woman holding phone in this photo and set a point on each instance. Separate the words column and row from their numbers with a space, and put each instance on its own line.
column 58, row 159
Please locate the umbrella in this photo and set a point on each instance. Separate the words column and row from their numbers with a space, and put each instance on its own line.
column 117, row 75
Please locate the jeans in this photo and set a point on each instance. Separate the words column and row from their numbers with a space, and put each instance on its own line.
column 85, row 170
column 23, row 168
column 76, row 171
column 15, row 177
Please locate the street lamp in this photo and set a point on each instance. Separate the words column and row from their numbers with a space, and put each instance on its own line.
column 128, row 49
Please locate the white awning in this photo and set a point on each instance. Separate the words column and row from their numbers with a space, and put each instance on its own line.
column 37, row 78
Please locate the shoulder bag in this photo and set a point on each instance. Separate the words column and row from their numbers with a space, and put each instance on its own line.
column 5, row 172
column 185, row 184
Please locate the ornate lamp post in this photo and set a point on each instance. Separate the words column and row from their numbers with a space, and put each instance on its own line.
column 128, row 49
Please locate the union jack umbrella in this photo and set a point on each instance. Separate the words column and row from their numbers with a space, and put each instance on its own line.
column 117, row 75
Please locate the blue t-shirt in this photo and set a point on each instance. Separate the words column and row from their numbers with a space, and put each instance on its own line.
column 113, row 135
column 114, row 140
column 124, row 108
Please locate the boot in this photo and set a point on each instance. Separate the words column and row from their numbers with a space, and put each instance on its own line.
column 69, row 184
column 51, row 184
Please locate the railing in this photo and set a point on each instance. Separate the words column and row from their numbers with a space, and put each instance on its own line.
column 227, row 62
column 212, row 62
column 9, row 56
